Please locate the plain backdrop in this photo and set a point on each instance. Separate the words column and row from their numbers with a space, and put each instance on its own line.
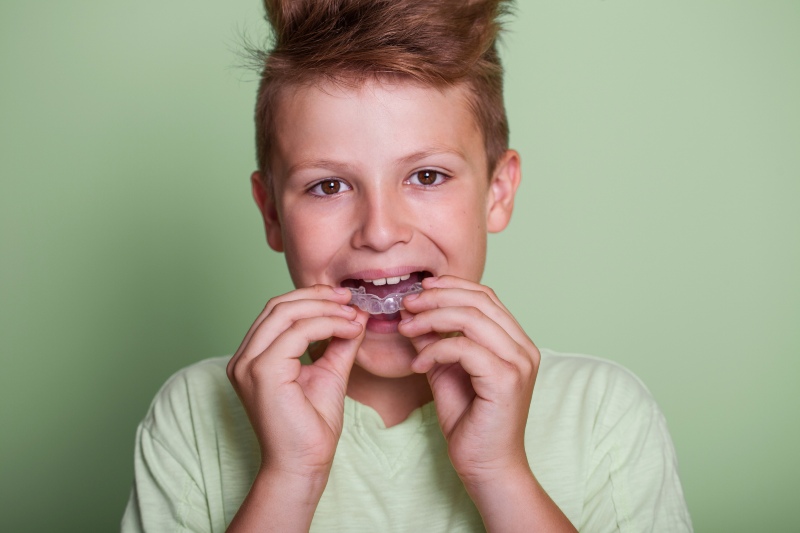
column 657, row 225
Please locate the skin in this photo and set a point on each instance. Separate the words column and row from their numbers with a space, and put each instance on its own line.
column 375, row 181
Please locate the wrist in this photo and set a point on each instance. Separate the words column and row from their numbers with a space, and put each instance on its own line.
column 303, row 488
column 279, row 501
column 495, row 480
column 515, row 501
column 495, row 472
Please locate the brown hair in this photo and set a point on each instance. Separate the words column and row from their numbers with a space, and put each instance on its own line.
column 436, row 43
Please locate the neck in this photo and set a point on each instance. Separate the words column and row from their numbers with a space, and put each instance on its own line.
column 393, row 398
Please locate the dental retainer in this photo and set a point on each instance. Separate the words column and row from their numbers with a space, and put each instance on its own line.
column 391, row 303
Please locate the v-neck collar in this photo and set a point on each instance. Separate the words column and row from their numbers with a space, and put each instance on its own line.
column 392, row 447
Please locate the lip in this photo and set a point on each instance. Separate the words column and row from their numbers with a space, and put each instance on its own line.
column 377, row 273
column 376, row 325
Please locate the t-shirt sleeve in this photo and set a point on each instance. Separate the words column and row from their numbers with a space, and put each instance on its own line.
column 632, row 484
column 166, row 495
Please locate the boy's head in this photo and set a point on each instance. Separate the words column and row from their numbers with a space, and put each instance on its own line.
column 437, row 44
column 382, row 148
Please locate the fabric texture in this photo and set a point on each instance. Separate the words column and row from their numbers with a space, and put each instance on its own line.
column 596, row 441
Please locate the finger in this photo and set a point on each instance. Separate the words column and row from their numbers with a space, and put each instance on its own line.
column 341, row 352
column 339, row 295
column 472, row 323
column 290, row 345
column 285, row 314
column 476, row 296
column 488, row 373
column 452, row 384
column 282, row 315
column 421, row 341
column 454, row 282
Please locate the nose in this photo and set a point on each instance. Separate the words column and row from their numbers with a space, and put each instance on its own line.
column 383, row 222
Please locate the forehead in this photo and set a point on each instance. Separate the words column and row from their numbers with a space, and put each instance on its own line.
column 373, row 122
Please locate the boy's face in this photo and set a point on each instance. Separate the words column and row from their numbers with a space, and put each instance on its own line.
column 382, row 181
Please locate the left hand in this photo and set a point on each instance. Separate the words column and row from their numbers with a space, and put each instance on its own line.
column 482, row 380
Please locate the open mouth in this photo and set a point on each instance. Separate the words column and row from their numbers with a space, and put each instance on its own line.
column 382, row 287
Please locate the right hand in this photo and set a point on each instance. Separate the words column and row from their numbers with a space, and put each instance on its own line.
column 297, row 410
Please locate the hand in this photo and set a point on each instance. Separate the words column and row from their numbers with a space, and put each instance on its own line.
column 482, row 378
column 297, row 410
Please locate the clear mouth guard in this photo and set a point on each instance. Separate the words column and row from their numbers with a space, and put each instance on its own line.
column 391, row 303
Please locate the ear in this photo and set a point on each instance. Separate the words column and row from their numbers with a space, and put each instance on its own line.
column 266, row 204
column 502, row 190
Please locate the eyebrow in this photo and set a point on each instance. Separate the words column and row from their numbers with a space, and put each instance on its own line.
column 343, row 167
column 336, row 166
column 422, row 154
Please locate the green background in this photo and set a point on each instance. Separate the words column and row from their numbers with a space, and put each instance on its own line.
column 657, row 225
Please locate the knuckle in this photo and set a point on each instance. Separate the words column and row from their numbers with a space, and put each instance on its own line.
column 297, row 325
column 510, row 369
column 474, row 313
column 526, row 365
column 432, row 292
column 321, row 289
column 535, row 355
column 300, row 327
column 488, row 296
column 423, row 353
column 459, row 343
column 239, row 374
column 462, row 342
column 515, row 381
column 280, row 307
column 272, row 303
column 258, row 373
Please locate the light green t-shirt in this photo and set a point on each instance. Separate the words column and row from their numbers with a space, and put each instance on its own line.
column 595, row 439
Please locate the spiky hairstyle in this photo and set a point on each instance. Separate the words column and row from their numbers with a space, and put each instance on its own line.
column 435, row 43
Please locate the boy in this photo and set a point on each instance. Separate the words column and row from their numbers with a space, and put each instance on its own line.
column 383, row 162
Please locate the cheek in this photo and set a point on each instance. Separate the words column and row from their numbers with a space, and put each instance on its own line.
column 458, row 227
column 312, row 239
column 461, row 219
column 306, row 243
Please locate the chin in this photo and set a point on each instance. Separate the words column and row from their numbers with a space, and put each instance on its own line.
column 386, row 355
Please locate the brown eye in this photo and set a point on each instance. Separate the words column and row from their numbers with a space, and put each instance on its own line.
column 427, row 177
column 330, row 186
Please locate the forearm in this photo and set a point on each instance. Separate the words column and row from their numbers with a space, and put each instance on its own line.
column 280, row 503
column 515, row 502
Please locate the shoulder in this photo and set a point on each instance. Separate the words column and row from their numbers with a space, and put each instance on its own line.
column 588, row 379
column 622, row 467
column 597, row 408
column 188, row 440
column 205, row 374
column 196, row 392
column 202, row 379
column 577, row 366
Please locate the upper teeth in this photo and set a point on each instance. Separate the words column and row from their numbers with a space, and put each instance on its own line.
column 388, row 281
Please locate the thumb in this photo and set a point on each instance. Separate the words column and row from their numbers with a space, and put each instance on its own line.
column 341, row 353
column 423, row 340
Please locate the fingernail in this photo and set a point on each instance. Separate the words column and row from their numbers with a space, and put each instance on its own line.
column 356, row 323
column 349, row 309
column 411, row 297
column 341, row 290
column 406, row 320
